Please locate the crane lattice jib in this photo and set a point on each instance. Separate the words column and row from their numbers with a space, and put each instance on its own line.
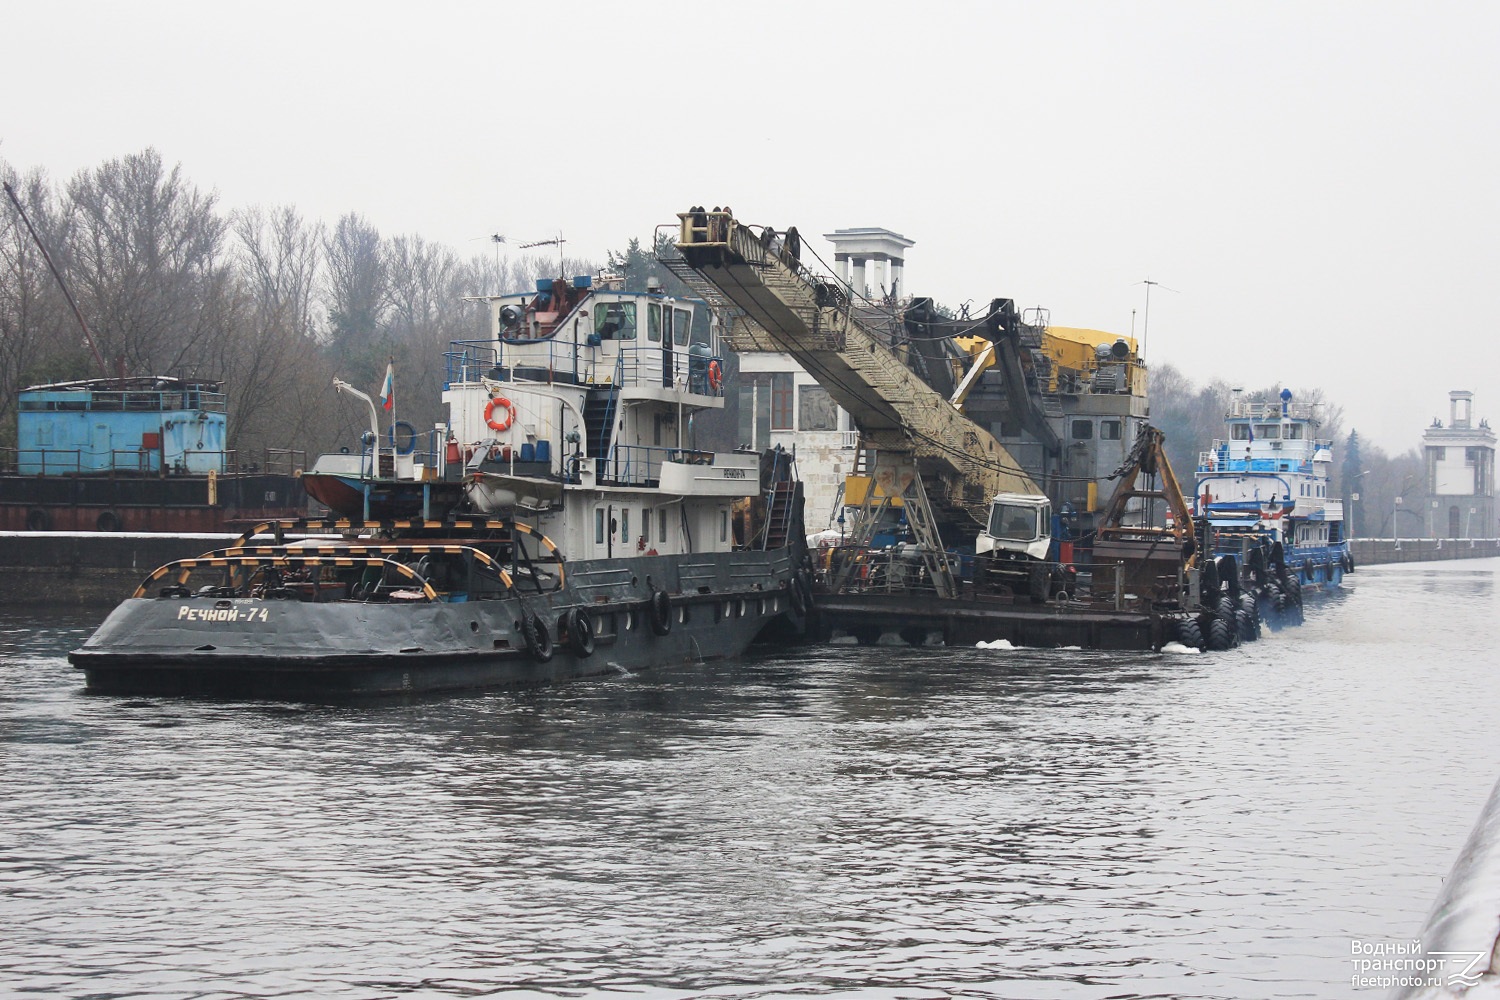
column 789, row 309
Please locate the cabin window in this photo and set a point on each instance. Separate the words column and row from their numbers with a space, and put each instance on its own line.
column 653, row 322
column 781, row 401
column 815, row 409
column 662, row 524
column 598, row 525
column 702, row 333
column 1239, row 432
column 681, row 327
column 1268, row 432
column 645, row 524
column 1293, row 432
column 1013, row 521
column 723, row 525
column 624, row 524
column 615, row 320
column 1109, row 430
column 1083, row 430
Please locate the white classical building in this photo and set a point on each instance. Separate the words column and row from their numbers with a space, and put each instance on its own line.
column 1461, row 472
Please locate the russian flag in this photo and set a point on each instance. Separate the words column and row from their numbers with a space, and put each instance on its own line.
column 388, row 391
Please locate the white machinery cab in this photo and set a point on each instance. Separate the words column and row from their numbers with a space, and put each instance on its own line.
column 1019, row 524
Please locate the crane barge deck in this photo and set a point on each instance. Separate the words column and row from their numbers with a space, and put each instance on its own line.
column 985, row 554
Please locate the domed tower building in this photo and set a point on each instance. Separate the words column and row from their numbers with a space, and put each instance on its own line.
column 1461, row 472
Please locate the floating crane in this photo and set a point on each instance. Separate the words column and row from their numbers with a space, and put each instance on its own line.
column 944, row 467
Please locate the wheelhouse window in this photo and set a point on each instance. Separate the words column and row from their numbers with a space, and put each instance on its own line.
column 1268, row 432
column 1083, row 430
column 653, row 322
column 682, row 325
column 1109, row 430
column 1293, row 432
column 615, row 320
column 1239, row 432
column 701, row 332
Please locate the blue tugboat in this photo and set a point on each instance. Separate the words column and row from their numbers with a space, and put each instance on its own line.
column 1262, row 495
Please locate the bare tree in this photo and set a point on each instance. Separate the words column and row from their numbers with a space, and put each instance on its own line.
column 39, row 339
column 145, row 251
column 357, row 284
column 275, row 349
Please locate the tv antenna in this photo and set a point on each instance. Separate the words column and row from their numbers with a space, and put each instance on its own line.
column 557, row 242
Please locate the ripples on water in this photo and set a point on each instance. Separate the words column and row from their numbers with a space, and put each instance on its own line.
column 838, row 821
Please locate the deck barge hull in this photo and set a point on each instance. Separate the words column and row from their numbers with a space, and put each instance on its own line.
column 968, row 621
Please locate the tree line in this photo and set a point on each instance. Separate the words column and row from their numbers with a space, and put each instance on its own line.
column 276, row 305
column 270, row 302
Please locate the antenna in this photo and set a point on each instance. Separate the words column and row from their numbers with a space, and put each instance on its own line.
column 558, row 242
column 1146, row 319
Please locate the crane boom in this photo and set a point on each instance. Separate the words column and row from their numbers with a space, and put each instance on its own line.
column 788, row 309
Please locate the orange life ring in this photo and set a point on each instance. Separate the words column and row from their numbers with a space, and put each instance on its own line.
column 715, row 376
column 489, row 413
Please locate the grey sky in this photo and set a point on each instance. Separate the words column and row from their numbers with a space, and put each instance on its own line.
column 1318, row 181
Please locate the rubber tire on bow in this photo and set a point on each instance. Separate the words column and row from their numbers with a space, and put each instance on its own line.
column 659, row 610
column 538, row 640
column 1220, row 635
column 796, row 594
column 1208, row 583
column 1037, row 581
column 578, row 625
column 38, row 520
column 1244, row 626
column 1229, row 574
column 1188, row 633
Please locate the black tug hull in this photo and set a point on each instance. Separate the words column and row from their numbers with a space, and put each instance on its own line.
column 716, row 605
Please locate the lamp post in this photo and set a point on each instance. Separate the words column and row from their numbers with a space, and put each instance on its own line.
column 1395, row 532
column 1353, row 500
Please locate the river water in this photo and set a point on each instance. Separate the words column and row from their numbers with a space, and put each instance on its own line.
column 835, row 821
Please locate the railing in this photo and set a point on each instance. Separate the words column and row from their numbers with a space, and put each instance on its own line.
column 134, row 401
column 636, row 363
column 640, row 465
column 1219, row 460
column 1271, row 412
column 468, row 360
column 135, row 461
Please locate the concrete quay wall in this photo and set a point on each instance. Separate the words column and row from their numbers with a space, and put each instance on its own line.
column 1377, row 551
column 84, row 568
